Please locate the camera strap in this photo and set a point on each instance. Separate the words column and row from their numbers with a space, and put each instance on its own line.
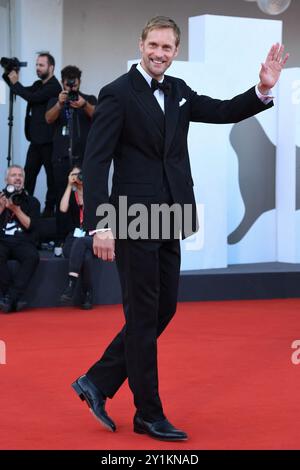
column 67, row 114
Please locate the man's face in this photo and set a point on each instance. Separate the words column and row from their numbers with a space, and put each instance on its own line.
column 16, row 178
column 74, row 87
column 158, row 51
column 43, row 69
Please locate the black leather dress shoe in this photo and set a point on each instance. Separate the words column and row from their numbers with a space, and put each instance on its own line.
column 87, row 391
column 162, row 430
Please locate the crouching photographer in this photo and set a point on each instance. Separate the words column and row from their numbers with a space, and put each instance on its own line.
column 19, row 213
column 78, row 246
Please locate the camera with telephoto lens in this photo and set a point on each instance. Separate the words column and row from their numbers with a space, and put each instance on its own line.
column 10, row 64
column 16, row 195
column 73, row 95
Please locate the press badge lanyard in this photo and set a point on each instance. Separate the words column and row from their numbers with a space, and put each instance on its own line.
column 71, row 115
column 80, row 210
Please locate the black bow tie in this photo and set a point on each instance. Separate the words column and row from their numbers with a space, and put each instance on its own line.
column 163, row 86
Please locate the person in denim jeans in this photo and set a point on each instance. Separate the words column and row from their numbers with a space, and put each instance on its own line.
column 78, row 246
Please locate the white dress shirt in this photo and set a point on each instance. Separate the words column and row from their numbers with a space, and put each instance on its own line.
column 159, row 94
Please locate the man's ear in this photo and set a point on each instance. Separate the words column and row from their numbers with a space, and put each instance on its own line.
column 141, row 45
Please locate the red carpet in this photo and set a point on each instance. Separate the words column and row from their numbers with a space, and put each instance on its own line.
column 226, row 378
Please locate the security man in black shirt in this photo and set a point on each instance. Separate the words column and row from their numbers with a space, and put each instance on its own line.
column 37, row 131
column 71, row 113
column 19, row 213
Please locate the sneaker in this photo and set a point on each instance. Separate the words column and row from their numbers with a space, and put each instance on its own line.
column 20, row 304
column 87, row 302
column 68, row 294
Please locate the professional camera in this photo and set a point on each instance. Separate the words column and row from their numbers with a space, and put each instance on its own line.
column 11, row 64
column 73, row 95
column 16, row 195
column 78, row 175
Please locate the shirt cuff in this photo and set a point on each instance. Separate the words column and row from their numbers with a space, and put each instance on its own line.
column 266, row 99
column 92, row 232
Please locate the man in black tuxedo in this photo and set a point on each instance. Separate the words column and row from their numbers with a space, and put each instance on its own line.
column 141, row 122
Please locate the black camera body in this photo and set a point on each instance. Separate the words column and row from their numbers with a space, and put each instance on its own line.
column 79, row 176
column 10, row 64
column 17, row 196
column 73, row 95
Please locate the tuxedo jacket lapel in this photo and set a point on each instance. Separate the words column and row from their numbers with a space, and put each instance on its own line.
column 145, row 96
column 171, row 115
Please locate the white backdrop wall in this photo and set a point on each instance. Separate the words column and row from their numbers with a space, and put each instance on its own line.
column 36, row 25
column 100, row 35
column 4, row 52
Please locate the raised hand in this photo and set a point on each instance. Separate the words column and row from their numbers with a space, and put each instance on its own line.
column 271, row 69
column 13, row 77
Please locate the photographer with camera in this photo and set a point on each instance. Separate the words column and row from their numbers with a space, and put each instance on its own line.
column 78, row 247
column 19, row 213
column 71, row 113
column 37, row 131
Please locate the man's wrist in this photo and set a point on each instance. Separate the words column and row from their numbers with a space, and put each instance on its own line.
column 265, row 99
column 266, row 91
column 16, row 209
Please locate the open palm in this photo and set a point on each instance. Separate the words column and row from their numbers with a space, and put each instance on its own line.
column 271, row 69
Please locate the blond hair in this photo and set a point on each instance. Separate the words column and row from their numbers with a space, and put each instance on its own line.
column 159, row 22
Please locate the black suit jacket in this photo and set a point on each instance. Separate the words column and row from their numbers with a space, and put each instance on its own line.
column 37, row 95
column 147, row 146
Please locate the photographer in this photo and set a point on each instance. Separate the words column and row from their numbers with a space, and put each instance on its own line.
column 78, row 246
column 71, row 113
column 19, row 213
column 36, row 129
